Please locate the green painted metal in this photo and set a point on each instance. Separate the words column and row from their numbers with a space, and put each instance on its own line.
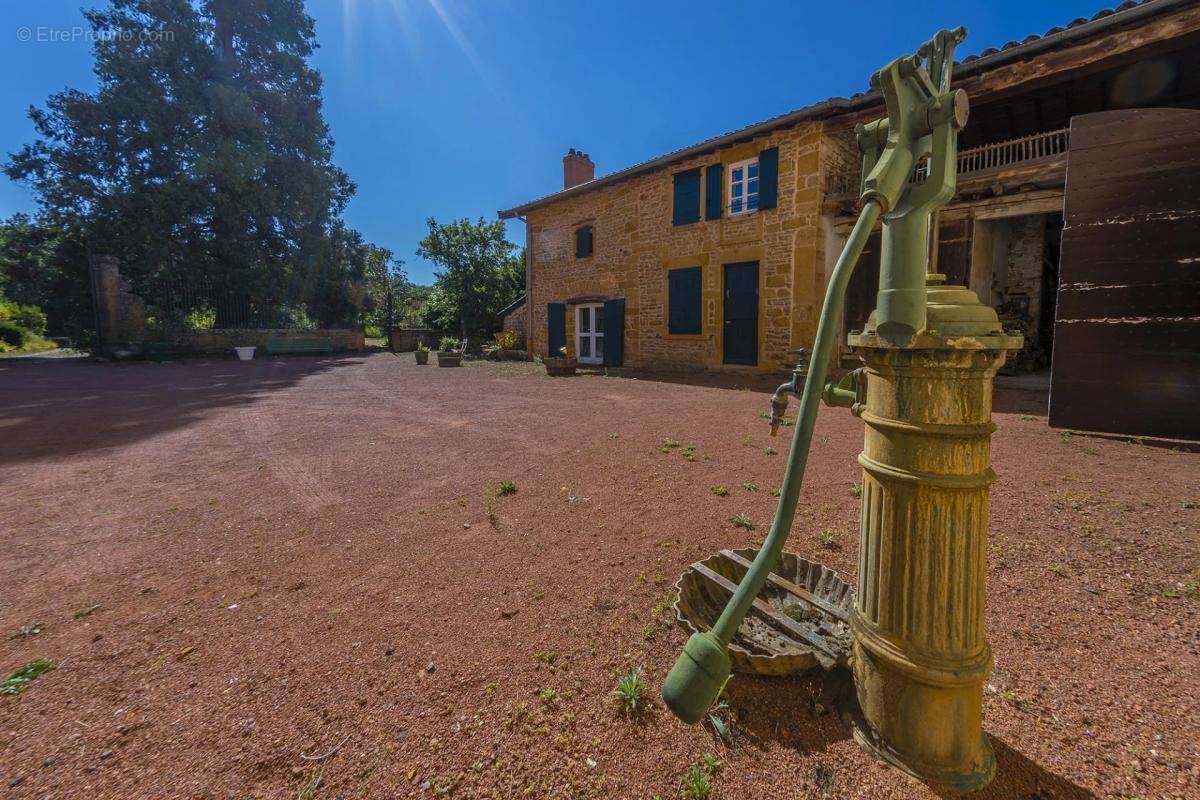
column 923, row 118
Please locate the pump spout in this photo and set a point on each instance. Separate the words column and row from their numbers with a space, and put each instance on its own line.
column 779, row 400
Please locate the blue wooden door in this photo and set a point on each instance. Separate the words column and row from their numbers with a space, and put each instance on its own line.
column 741, row 313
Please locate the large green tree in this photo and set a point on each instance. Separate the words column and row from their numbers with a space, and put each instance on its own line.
column 479, row 274
column 203, row 151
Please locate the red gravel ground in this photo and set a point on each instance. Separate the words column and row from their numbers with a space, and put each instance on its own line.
column 292, row 559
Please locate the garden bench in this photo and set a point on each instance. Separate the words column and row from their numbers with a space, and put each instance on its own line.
column 294, row 345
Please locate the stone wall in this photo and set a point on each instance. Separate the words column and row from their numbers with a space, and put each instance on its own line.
column 222, row 341
column 405, row 340
column 517, row 322
column 635, row 244
column 1019, row 285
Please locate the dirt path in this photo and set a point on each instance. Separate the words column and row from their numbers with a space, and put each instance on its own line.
column 293, row 557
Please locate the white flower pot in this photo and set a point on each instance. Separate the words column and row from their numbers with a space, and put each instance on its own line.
column 245, row 353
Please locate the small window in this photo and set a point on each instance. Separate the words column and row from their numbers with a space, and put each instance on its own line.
column 743, row 187
column 583, row 241
column 683, row 300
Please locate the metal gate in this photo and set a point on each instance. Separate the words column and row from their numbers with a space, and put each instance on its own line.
column 1127, row 328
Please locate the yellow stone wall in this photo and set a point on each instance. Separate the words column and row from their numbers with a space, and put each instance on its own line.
column 635, row 244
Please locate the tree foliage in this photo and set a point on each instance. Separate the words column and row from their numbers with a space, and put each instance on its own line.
column 203, row 151
column 479, row 275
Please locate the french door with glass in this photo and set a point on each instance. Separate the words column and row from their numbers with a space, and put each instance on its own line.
column 589, row 333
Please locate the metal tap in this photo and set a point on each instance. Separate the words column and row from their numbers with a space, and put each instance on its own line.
column 779, row 400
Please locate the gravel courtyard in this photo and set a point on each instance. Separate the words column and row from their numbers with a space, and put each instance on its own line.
column 279, row 579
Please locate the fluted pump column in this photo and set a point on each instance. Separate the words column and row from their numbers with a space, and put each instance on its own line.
column 920, row 654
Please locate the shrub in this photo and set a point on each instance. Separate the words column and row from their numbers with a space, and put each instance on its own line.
column 13, row 335
column 448, row 344
column 30, row 318
column 507, row 340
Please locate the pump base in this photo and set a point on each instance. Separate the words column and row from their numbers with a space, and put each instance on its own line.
column 958, row 782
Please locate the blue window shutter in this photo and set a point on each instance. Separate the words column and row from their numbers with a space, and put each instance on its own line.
column 683, row 300
column 614, row 332
column 583, row 241
column 713, row 185
column 686, row 209
column 768, row 178
column 556, row 328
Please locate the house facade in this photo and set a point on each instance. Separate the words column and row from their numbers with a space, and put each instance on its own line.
column 717, row 255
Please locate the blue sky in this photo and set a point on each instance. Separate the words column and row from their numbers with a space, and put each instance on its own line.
column 448, row 108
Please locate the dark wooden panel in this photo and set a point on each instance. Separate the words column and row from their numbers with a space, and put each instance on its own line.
column 863, row 288
column 1127, row 331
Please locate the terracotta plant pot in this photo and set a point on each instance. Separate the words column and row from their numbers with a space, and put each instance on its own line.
column 560, row 367
column 449, row 359
column 422, row 356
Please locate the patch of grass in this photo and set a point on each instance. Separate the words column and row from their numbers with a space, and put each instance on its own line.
column 742, row 521
column 308, row 789
column 548, row 696
column 1027, row 418
column 1188, row 504
column 19, row 681
column 32, row 629
column 669, row 443
column 722, row 491
column 696, row 786
column 1057, row 569
column 710, row 763
column 506, row 487
column 773, row 491
column 547, row 657
column 828, row 538
column 691, row 448
column 856, row 490
column 749, row 487
column 631, row 693
column 1189, row 587
column 1064, row 436
column 770, row 451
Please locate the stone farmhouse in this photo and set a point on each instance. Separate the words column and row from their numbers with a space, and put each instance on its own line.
column 716, row 255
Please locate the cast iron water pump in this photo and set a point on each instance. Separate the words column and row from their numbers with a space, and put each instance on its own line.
column 930, row 353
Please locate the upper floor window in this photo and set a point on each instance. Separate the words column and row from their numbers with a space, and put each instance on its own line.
column 583, row 241
column 743, row 187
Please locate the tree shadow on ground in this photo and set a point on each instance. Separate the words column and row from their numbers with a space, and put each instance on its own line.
column 56, row 408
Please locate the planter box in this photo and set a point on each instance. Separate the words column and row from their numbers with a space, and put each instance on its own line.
column 560, row 367
column 422, row 356
column 244, row 353
column 449, row 359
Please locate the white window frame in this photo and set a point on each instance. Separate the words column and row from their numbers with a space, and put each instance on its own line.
column 596, row 313
column 745, row 165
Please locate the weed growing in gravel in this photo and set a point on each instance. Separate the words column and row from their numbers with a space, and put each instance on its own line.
column 489, row 506
column 742, row 521
column 749, row 487
column 1064, row 436
column 710, row 763
column 308, row 789
column 547, row 657
column 631, row 693
column 771, row 451
column 20, row 680
column 696, row 786
column 614, row 436
column 856, row 490
column 773, row 491
column 1028, row 418
column 1189, row 587
column 86, row 612
column 719, row 491
column 828, row 539
column 548, row 696
column 1057, row 569
column 506, row 487
column 719, row 715
column 669, row 443
column 32, row 629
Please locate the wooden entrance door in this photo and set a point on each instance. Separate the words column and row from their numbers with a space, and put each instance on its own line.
column 741, row 313
column 1127, row 325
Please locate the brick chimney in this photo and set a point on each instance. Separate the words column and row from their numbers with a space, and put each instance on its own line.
column 577, row 168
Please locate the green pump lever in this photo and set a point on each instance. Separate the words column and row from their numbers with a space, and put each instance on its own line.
column 922, row 117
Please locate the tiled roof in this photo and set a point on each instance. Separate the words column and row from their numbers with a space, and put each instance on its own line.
column 992, row 57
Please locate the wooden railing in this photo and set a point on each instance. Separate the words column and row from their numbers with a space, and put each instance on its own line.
column 977, row 159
